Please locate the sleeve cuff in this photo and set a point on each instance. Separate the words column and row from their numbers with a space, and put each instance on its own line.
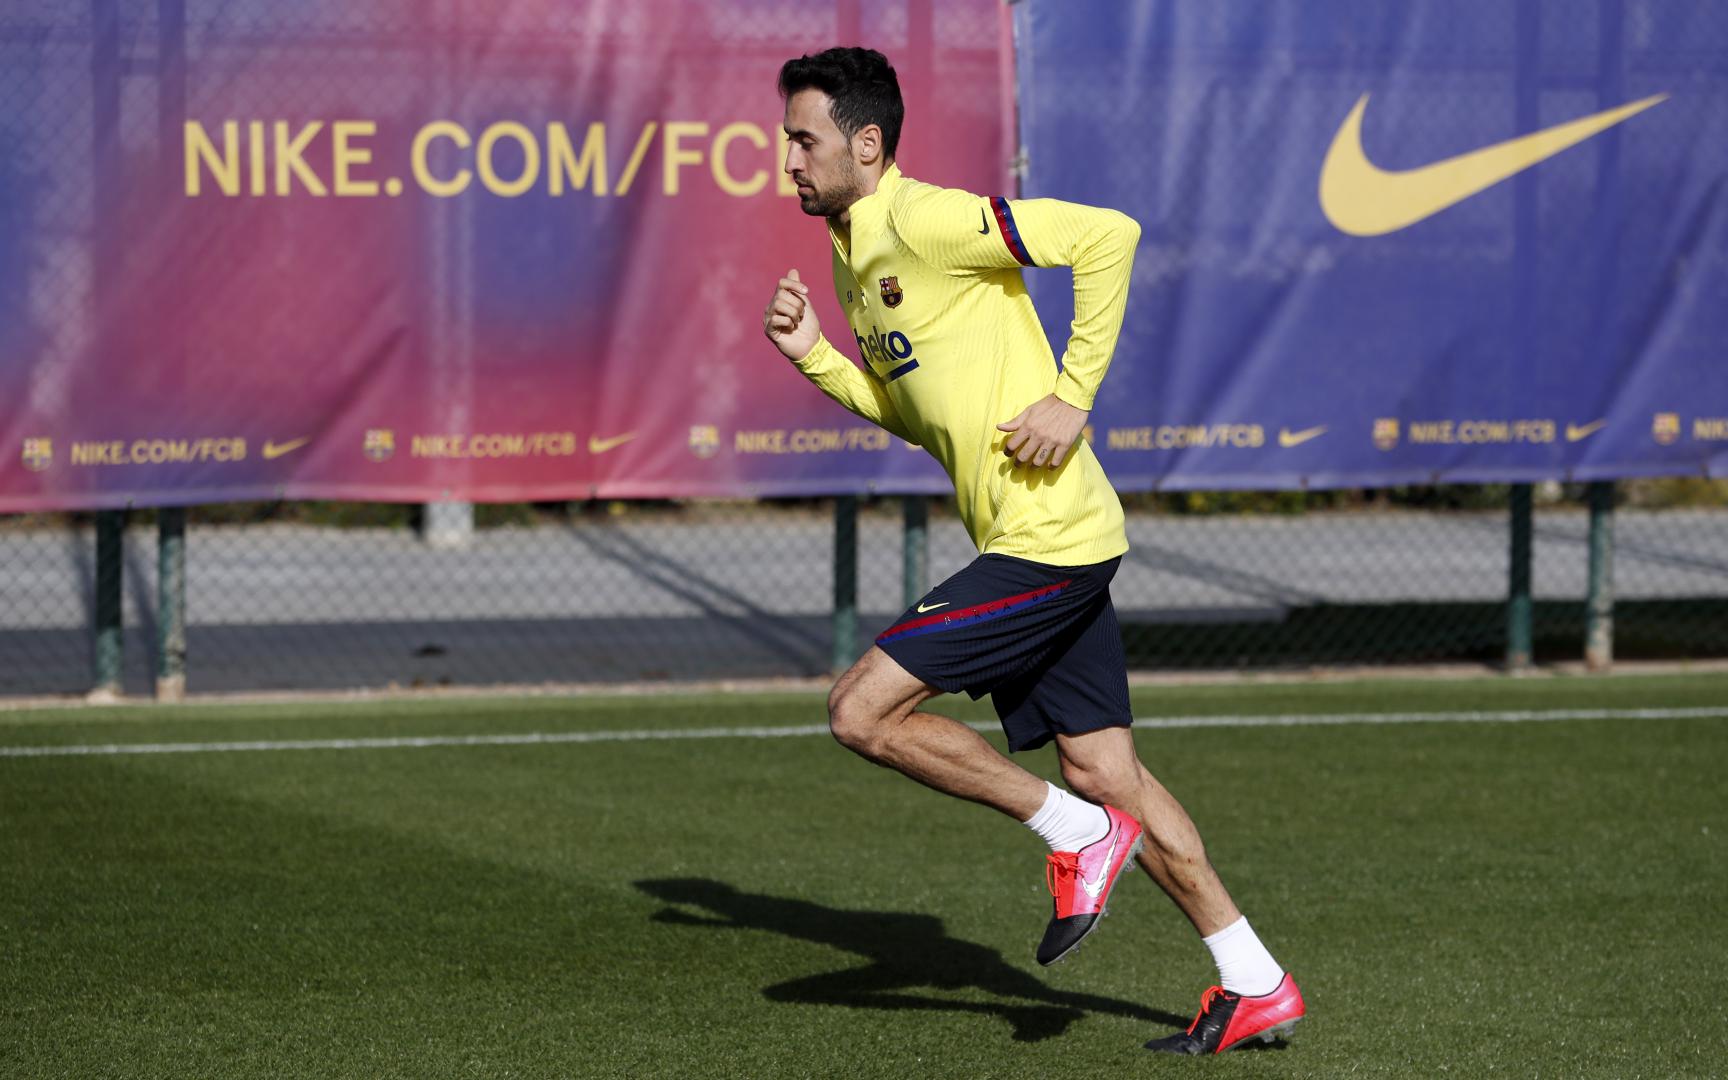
column 817, row 358
column 1069, row 390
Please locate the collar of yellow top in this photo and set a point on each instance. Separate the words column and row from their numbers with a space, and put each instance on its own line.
column 884, row 186
column 867, row 211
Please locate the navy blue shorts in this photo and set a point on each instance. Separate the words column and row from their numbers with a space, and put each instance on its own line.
column 1042, row 641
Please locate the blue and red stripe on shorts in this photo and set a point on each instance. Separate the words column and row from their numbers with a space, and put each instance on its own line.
column 971, row 616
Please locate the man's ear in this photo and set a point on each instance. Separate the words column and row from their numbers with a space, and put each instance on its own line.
column 867, row 145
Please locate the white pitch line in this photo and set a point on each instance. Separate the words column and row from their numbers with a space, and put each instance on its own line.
column 653, row 734
column 1502, row 717
column 413, row 742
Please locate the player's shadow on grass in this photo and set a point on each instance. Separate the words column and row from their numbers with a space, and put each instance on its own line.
column 905, row 952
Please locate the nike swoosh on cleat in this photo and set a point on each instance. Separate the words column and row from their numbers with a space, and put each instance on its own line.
column 1575, row 432
column 273, row 450
column 1362, row 199
column 1093, row 888
column 1288, row 438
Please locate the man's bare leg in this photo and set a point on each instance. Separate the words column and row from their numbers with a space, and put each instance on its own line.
column 1260, row 999
column 873, row 712
column 1101, row 766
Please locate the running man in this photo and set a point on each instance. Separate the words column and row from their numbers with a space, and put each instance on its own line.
column 955, row 362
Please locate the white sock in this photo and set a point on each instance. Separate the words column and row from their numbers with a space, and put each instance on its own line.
column 1067, row 822
column 1244, row 965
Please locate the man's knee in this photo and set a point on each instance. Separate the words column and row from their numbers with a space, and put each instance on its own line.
column 1103, row 780
column 866, row 706
column 854, row 722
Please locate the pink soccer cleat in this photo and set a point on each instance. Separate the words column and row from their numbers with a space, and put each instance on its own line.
column 1081, row 882
column 1228, row 1020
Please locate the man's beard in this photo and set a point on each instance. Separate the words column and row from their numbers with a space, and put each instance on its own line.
column 848, row 189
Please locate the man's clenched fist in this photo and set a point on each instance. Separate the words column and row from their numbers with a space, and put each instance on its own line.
column 790, row 321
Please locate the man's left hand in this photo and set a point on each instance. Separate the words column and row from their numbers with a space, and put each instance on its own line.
column 1044, row 432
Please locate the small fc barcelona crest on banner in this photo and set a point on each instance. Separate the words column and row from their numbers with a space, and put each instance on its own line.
column 380, row 443
column 704, row 440
column 1665, row 428
column 1386, row 433
column 38, row 454
column 891, row 294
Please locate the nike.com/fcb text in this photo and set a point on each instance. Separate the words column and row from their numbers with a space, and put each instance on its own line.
column 157, row 451
column 516, row 445
column 444, row 159
column 810, row 440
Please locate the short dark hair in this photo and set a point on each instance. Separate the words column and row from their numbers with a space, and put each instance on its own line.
column 860, row 83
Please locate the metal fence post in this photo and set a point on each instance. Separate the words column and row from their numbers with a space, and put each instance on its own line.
column 105, row 611
column 447, row 525
column 1599, row 605
column 171, row 603
column 845, row 582
column 915, row 549
column 1518, row 607
column 107, row 189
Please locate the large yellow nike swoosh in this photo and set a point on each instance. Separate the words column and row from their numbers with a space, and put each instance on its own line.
column 600, row 446
column 1362, row 199
column 1575, row 432
column 273, row 450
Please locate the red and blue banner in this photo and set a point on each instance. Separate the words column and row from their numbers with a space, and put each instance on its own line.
column 422, row 250
column 359, row 249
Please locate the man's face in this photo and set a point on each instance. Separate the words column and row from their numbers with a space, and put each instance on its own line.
column 818, row 157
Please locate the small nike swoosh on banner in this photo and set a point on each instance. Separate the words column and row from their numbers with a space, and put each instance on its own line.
column 600, row 446
column 1362, row 199
column 933, row 607
column 1288, row 438
column 273, row 450
column 1093, row 888
column 1576, row 432
column 985, row 228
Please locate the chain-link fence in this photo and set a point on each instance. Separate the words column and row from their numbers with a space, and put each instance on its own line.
column 303, row 596
column 314, row 596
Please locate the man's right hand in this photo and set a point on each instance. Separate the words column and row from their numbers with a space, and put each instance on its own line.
column 790, row 321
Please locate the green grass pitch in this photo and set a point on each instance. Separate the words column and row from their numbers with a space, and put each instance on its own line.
column 1460, row 899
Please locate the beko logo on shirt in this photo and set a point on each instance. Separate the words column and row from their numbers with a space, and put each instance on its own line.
column 893, row 350
column 890, row 348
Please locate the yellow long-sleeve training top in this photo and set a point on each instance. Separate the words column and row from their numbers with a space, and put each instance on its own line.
column 930, row 281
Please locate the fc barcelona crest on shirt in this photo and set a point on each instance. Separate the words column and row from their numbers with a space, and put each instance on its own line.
column 891, row 294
